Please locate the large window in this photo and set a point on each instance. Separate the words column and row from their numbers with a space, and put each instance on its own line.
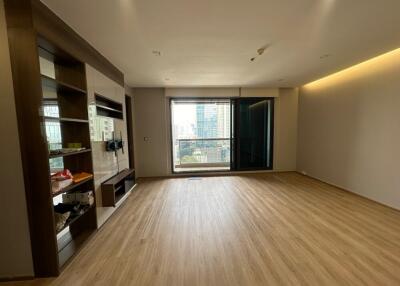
column 222, row 134
column 201, row 132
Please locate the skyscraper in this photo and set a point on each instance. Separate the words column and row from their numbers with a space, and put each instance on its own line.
column 206, row 120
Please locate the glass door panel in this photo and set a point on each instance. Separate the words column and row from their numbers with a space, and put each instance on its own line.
column 254, row 132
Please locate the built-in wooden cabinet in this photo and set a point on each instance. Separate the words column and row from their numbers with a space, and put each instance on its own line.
column 48, row 62
column 65, row 117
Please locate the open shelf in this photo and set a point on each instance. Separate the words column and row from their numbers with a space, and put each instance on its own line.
column 61, row 86
column 74, row 219
column 106, row 108
column 69, row 153
column 119, row 196
column 65, row 119
column 71, row 187
column 109, row 108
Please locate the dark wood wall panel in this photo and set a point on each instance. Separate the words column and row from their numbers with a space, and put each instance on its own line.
column 51, row 27
column 28, row 99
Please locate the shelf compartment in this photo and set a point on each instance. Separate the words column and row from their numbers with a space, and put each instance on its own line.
column 119, row 196
column 61, row 86
column 108, row 108
column 72, row 187
column 75, row 233
column 74, row 219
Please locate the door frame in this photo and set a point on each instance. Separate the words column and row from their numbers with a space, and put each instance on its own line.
column 129, row 129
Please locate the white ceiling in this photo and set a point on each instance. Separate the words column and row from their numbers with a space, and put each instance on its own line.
column 210, row 42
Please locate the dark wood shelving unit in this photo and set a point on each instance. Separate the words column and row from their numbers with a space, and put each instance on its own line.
column 35, row 33
column 65, row 118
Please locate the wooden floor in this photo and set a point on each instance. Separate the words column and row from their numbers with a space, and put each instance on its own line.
column 264, row 229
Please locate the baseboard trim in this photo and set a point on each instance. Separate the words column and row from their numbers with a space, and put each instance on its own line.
column 214, row 174
column 17, row 278
column 348, row 191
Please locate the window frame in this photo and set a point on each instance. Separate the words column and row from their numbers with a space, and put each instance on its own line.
column 234, row 130
column 172, row 140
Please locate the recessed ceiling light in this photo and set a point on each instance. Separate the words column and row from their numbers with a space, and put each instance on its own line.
column 156, row 53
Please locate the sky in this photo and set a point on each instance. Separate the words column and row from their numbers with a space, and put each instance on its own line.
column 184, row 114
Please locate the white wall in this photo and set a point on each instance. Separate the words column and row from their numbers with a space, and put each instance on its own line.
column 349, row 130
column 152, row 115
column 15, row 246
column 285, row 145
column 105, row 163
column 151, row 122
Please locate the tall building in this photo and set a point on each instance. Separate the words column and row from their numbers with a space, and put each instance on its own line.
column 206, row 121
column 223, row 121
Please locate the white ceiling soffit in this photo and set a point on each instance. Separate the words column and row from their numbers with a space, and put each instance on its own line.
column 210, row 42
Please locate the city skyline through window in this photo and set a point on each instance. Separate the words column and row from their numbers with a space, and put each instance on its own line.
column 201, row 134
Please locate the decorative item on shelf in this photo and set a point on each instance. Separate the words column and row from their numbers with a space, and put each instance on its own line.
column 69, row 198
column 61, row 180
column 61, row 220
column 63, row 175
column 74, row 210
column 66, row 150
column 74, row 145
column 79, row 177
column 84, row 198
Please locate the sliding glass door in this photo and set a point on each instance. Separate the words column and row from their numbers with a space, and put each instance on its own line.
column 221, row 134
column 253, row 134
column 201, row 135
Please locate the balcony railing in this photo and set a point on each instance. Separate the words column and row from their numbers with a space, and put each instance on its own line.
column 210, row 153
